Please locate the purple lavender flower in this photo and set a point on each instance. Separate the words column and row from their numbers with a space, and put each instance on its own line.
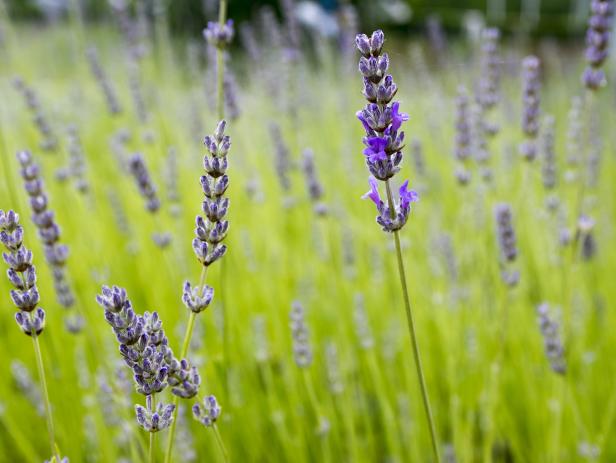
column 212, row 230
column 56, row 253
column 507, row 243
column 103, row 81
column 548, row 170
column 531, row 100
column 488, row 93
column 49, row 142
column 282, row 161
column 554, row 349
column 382, row 120
column 76, row 166
column 154, row 420
column 597, row 42
column 145, row 350
column 302, row 352
column 217, row 35
column 144, row 182
column 21, row 274
column 389, row 221
column 463, row 140
column 315, row 188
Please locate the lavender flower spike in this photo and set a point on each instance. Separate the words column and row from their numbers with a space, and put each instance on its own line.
column 21, row 274
column 30, row 318
column 597, row 43
column 384, row 141
column 530, row 114
column 507, row 243
column 144, row 182
column 382, row 120
column 56, row 253
column 145, row 350
column 554, row 349
column 211, row 230
column 302, row 351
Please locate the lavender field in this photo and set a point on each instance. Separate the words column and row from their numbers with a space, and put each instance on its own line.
column 273, row 242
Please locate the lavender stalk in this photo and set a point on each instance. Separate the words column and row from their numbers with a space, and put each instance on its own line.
column 384, row 142
column 598, row 42
column 25, row 296
column 207, row 244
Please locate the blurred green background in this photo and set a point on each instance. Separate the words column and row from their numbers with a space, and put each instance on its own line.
column 538, row 17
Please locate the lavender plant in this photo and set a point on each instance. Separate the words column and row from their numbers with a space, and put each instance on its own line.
column 507, row 243
column 103, row 81
column 145, row 350
column 382, row 120
column 315, row 187
column 530, row 113
column 56, row 253
column 487, row 96
column 210, row 231
column 462, row 149
column 76, row 168
column 597, row 43
column 49, row 141
column 30, row 318
column 554, row 349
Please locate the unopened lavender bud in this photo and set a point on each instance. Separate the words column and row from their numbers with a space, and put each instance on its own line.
column 197, row 299
column 155, row 420
column 217, row 35
column 31, row 324
column 211, row 230
column 207, row 412
column 183, row 379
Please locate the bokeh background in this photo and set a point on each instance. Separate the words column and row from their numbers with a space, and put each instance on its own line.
column 562, row 18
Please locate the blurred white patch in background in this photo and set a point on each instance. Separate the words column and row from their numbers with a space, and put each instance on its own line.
column 313, row 16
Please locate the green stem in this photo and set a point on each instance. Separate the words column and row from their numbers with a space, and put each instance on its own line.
column 221, row 444
column 151, row 404
column 41, row 372
column 187, row 335
column 220, row 65
column 413, row 335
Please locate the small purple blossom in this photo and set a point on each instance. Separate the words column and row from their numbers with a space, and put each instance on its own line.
column 375, row 150
column 397, row 118
column 392, row 221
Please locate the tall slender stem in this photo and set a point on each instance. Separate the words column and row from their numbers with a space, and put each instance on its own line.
column 187, row 335
column 41, row 373
column 412, row 333
column 221, row 444
column 220, row 65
